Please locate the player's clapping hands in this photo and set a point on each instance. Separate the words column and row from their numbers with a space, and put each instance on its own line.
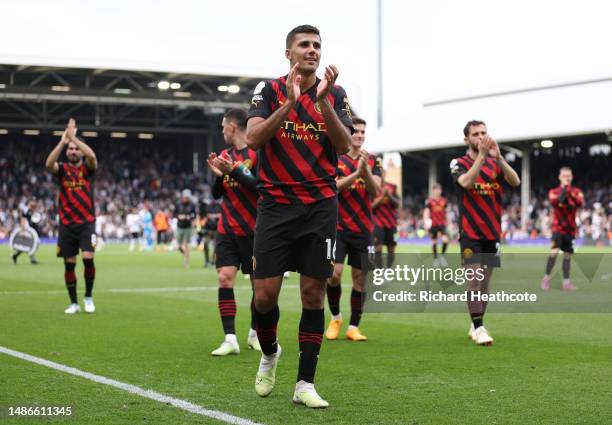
column 224, row 163
column 328, row 81
column 485, row 146
column 69, row 132
column 293, row 84
column 363, row 162
column 211, row 163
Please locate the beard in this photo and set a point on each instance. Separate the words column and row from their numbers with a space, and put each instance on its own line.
column 74, row 159
column 473, row 146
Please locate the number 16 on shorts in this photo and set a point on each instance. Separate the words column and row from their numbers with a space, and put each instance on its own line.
column 331, row 248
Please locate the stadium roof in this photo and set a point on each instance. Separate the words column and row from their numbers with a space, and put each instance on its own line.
column 535, row 113
column 43, row 98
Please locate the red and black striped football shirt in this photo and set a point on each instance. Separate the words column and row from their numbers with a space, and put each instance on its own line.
column 564, row 209
column 437, row 210
column 385, row 214
column 354, row 203
column 299, row 164
column 76, row 195
column 480, row 205
column 239, row 206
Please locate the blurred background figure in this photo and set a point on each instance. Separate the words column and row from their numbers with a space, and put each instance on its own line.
column 185, row 213
column 162, row 225
column 30, row 218
column 133, row 223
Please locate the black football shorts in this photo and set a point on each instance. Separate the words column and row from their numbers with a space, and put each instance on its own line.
column 359, row 247
column 563, row 241
column 384, row 236
column 435, row 230
column 480, row 251
column 295, row 237
column 74, row 237
column 232, row 250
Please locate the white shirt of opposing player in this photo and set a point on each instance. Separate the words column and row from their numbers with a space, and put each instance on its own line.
column 133, row 223
column 100, row 222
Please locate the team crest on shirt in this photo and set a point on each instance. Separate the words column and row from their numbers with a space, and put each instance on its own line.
column 248, row 163
column 468, row 253
column 317, row 107
column 494, row 175
column 454, row 166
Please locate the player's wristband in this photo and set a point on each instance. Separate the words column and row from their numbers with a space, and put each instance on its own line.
column 239, row 168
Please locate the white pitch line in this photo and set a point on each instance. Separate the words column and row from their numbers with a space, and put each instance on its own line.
column 133, row 389
column 136, row 290
column 115, row 290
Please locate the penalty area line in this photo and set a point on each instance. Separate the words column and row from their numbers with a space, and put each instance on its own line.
column 133, row 389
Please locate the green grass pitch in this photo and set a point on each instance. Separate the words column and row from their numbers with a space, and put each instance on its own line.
column 415, row 368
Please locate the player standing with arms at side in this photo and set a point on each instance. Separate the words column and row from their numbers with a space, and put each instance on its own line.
column 384, row 210
column 213, row 215
column 435, row 210
column 161, row 224
column 76, row 212
column 565, row 200
column 299, row 124
column 478, row 174
column 234, row 243
column 185, row 213
column 358, row 182
column 133, row 222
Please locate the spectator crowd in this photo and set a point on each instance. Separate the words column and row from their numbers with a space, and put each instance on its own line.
column 129, row 179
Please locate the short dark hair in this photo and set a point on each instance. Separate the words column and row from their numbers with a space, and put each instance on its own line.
column 302, row 29
column 357, row 120
column 238, row 116
column 473, row 123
